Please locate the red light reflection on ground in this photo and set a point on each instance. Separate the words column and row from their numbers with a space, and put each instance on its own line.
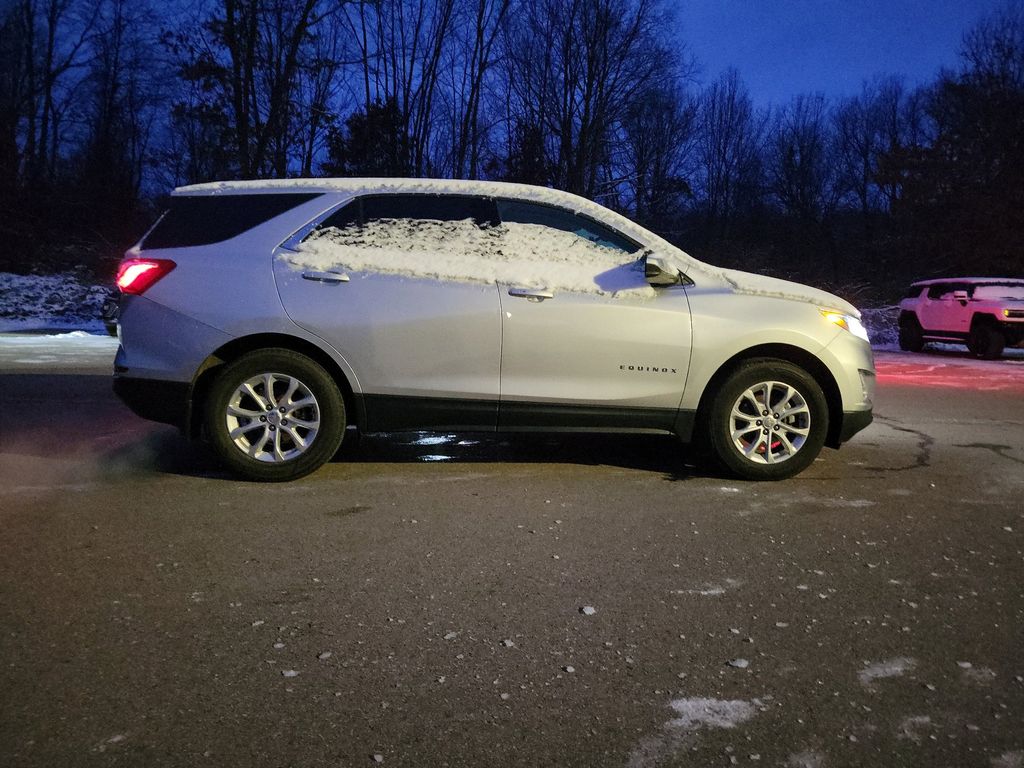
column 947, row 371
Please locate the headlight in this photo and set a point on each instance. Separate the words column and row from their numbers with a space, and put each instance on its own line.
column 847, row 322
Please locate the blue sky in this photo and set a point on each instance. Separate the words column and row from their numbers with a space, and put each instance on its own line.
column 785, row 47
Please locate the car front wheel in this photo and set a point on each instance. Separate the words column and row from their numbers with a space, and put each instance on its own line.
column 768, row 421
column 911, row 337
column 274, row 415
column 986, row 341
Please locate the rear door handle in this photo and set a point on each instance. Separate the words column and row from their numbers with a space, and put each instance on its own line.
column 325, row 277
column 533, row 294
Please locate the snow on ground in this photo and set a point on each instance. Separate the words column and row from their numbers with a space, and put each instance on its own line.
column 890, row 668
column 693, row 714
column 76, row 349
column 50, row 302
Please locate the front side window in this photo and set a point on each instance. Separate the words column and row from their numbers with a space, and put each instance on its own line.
column 429, row 208
column 517, row 212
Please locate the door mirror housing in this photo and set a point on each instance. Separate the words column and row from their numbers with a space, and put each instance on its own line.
column 960, row 296
column 660, row 272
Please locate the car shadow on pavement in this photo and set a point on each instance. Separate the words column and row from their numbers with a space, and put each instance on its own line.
column 655, row 453
column 76, row 418
column 165, row 450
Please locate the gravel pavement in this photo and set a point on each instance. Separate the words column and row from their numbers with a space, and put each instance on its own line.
column 468, row 600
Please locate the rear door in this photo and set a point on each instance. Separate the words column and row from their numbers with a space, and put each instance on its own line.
column 425, row 350
column 587, row 343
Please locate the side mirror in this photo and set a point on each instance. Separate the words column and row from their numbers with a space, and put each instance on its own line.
column 960, row 296
column 659, row 272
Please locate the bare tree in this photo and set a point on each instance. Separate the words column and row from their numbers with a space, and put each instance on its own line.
column 401, row 47
column 470, row 64
column 658, row 155
column 800, row 165
column 731, row 141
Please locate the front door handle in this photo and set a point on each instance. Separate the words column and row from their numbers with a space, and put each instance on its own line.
column 532, row 294
column 325, row 277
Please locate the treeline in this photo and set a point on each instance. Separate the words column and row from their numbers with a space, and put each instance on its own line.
column 107, row 104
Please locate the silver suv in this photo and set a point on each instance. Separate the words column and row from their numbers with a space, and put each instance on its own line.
column 269, row 316
column 985, row 313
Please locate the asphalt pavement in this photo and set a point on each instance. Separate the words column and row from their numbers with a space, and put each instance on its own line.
column 479, row 600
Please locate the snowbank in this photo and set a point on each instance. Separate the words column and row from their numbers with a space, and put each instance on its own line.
column 31, row 302
column 883, row 326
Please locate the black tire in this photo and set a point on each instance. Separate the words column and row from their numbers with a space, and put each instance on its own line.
column 986, row 341
column 266, row 446
column 793, row 442
column 911, row 335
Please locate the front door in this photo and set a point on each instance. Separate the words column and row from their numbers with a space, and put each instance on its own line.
column 586, row 342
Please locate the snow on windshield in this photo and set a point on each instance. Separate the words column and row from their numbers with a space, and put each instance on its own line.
column 524, row 255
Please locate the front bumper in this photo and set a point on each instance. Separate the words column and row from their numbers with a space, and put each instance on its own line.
column 854, row 422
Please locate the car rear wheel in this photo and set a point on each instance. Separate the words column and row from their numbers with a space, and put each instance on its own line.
column 768, row 421
column 986, row 341
column 274, row 415
column 911, row 335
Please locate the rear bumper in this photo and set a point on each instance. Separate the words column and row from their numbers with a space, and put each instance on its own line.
column 154, row 399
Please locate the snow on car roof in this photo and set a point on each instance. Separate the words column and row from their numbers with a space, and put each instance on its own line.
column 356, row 186
column 975, row 280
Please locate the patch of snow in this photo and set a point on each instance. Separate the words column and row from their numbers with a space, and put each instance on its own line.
column 806, row 760
column 910, row 727
column 978, row 675
column 710, row 713
column 710, row 589
column 891, row 668
column 693, row 714
column 1009, row 760
column 850, row 503
column 521, row 255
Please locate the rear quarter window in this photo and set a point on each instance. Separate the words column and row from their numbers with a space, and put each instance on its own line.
column 203, row 220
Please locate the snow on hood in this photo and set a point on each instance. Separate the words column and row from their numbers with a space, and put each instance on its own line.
column 524, row 255
column 762, row 285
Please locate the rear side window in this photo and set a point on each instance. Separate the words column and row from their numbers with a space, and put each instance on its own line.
column 202, row 220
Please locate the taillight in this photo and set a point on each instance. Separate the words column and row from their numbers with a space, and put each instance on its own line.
column 135, row 276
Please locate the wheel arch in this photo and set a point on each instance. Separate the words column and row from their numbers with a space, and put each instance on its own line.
column 907, row 317
column 795, row 355
column 984, row 318
column 235, row 348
